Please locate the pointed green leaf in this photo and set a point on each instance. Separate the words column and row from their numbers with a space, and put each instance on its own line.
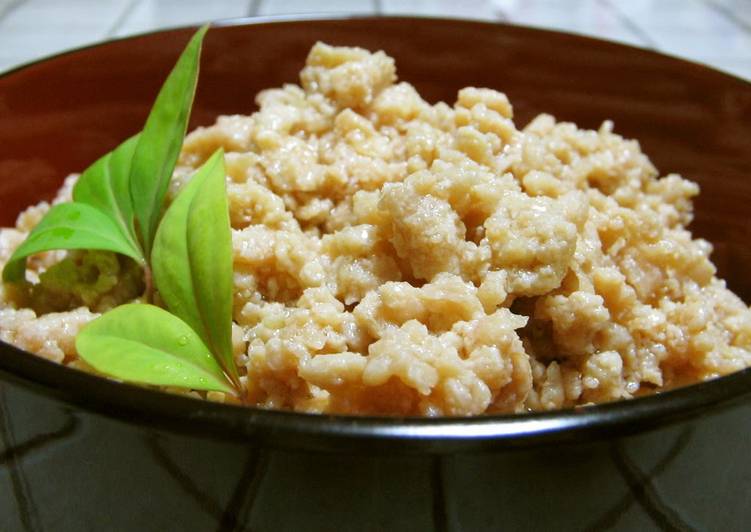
column 161, row 140
column 105, row 185
column 147, row 345
column 192, row 260
column 69, row 226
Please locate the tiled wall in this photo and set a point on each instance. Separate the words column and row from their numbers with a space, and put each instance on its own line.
column 716, row 32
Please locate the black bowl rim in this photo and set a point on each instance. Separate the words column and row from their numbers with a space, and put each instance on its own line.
column 323, row 432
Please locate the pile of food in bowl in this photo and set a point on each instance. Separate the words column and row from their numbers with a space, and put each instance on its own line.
column 351, row 248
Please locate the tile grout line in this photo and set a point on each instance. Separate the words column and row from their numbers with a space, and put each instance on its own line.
column 121, row 18
column 27, row 511
column 632, row 26
column 161, row 457
column 253, row 7
column 239, row 508
column 610, row 517
column 40, row 441
column 728, row 14
column 501, row 15
column 9, row 8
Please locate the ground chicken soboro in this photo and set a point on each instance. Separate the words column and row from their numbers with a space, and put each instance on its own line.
column 397, row 257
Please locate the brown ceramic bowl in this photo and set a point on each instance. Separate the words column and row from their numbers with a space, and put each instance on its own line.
column 78, row 452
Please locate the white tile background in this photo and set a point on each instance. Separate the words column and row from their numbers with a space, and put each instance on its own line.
column 716, row 32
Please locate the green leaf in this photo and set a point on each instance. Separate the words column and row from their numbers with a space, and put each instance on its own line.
column 105, row 185
column 192, row 260
column 69, row 226
column 160, row 141
column 145, row 344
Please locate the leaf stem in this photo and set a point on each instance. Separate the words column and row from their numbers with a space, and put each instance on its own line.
column 148, row 278
column 239, row 388
column 242, row 393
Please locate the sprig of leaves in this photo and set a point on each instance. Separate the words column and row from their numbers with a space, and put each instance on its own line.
column 192, row 268
column 105, row 185
column 117, row 206
column 69, row 226
column 192, row 260
column 128, row 185
column 146, row 344
column 160, row 142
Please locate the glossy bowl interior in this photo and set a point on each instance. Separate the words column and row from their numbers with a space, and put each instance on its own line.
column 60, row 114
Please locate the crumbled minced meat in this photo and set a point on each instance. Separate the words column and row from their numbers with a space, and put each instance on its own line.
column 397, row 257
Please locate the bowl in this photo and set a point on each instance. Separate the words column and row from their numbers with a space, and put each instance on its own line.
column 80, row 452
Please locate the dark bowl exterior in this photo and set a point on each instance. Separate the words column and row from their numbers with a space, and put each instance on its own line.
column 78, row 452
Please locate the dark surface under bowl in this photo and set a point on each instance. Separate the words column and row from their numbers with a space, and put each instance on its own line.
column 82, row 453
